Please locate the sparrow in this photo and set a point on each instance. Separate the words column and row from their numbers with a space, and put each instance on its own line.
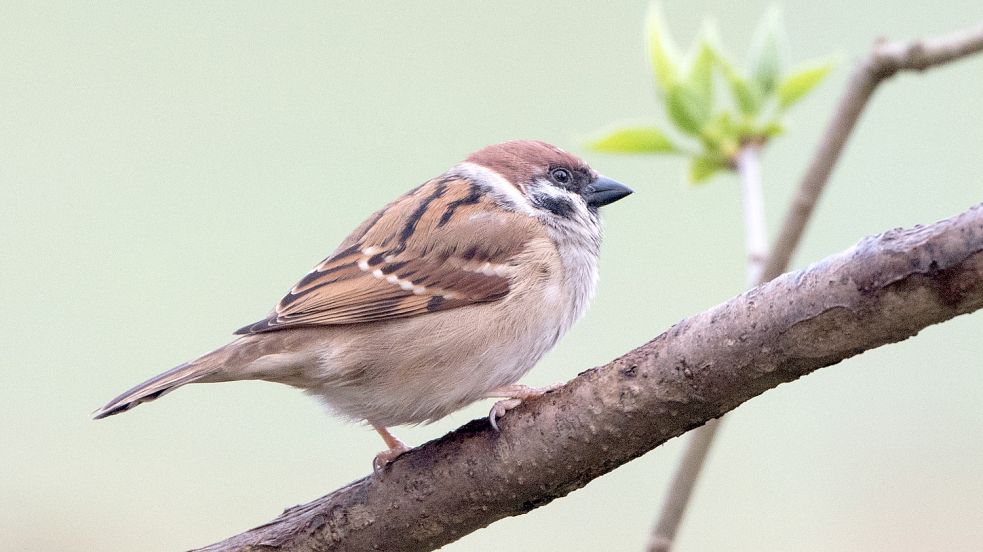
column 446, row 296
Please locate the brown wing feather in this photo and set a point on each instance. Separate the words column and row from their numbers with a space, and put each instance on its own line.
column 417, row 255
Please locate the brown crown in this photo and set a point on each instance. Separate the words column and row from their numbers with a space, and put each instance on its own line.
column 520, row 161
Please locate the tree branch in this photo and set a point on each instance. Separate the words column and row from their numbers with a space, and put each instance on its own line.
column 884, row 60
column 884, row 289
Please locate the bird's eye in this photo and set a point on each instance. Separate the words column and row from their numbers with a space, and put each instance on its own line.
column 561, row 176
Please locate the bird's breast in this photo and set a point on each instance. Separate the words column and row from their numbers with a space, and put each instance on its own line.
column 421, row 368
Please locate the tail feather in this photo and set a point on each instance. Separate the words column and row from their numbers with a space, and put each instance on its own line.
column 154, row 388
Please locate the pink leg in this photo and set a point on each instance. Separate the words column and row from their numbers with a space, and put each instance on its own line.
column 396, row 448
column 514, row 395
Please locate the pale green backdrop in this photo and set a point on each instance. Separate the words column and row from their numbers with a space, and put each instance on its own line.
column 168, row 170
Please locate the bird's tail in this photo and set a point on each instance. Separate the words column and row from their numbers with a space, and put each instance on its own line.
column 158, row 386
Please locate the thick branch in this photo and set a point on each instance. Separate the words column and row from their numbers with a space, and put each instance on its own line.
column 884, row 289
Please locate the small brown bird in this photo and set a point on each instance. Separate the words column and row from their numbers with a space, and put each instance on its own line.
column 446, row 296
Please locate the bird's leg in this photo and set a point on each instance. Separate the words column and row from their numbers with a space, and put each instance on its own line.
column 396, row 448
column 514, row 395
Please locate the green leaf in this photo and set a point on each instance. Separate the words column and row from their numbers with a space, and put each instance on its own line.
column 687, row 108
column 772, row 129
column 769, row 51
column 703, row 167
column 634, row 140
column 747, row 94
column 721, row 137
column 801, row 81
column 663, row 53
column 700, row 77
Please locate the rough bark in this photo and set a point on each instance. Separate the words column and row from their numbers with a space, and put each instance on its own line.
column 883, row 290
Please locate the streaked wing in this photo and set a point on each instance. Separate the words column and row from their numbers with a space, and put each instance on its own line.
column 444, row 245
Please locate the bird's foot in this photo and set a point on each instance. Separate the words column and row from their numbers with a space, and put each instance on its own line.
column 383, row 459
column 395, row 450
column 514, row 395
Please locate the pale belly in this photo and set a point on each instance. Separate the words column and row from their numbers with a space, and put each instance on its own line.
column 421, row 369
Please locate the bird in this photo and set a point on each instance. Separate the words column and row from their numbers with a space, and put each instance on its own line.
column 446, row 296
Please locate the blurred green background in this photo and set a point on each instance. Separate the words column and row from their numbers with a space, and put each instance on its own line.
column 168, row 170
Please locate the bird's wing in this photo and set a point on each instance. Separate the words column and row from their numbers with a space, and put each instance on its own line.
column 444, row 245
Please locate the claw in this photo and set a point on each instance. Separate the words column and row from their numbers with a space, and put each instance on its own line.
column 383, row 459
column 499, row 409
column 514, row 395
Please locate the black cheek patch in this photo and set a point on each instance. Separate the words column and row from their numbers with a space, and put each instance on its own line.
column 559, row 206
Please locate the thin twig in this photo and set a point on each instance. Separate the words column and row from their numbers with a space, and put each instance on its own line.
column 884, row 60
column 884, row 289
column 748, row 166
column 684, row 480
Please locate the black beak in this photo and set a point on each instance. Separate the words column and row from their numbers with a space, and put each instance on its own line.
column 604, row 190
